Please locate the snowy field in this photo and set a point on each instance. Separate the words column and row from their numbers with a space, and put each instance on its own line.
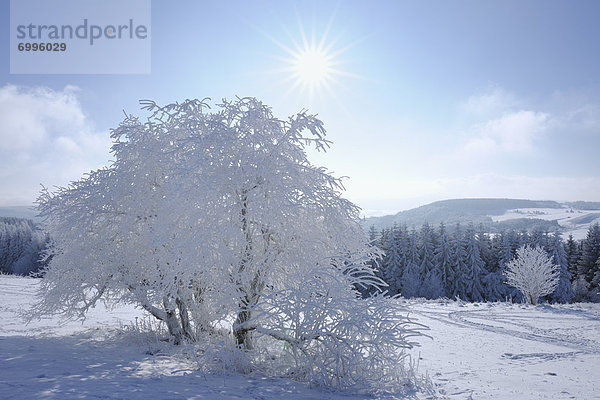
column 512, row 351
column 575, row 222
column 477, row 351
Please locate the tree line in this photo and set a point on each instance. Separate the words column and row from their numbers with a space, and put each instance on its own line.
column 467, row 263
column 21, row 246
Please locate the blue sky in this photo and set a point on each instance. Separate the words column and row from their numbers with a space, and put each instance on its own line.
column 429, row 100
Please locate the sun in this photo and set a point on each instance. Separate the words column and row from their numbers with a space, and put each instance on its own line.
column 312, row 67
column 313, row 64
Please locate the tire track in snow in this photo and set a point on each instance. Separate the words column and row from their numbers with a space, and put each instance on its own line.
column 547, row 335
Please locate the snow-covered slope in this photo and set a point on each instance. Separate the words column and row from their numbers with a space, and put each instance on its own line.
column 574, row 222
column 477, row 351
column 496, row 215
column 476, row 211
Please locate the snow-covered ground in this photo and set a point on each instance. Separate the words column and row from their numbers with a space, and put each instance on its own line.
column 477, row 351
column 99, row 359
column 575, row 222
column 511, row 351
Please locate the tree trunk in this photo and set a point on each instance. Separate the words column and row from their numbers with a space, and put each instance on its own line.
column 176, row 329
column 185, row 319
column 172, row 322
column 242, row 334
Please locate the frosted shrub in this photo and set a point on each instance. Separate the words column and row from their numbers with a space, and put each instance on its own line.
column 532, row 273
column 331, row 337
column 217, row 224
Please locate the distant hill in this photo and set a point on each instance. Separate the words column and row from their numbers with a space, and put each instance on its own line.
column 27, row 212
column 476, row 211
column 585, row 205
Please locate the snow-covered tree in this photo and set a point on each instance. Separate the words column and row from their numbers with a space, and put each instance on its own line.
column 596, row 279
column 412, row 278
column 432, row 286
column 491, row 277
column 508, row 247
column 394, row 261
column 376, row 264
column 589, row 254
column 21, row 245
column 533, row 273
column 212, row 218
column 475, row 268
column 382, row 242
column 488, row 256
column 556, row 250
column 572, row 253
column 538, row 238
column 459, row 284
column 523, row 239
column 426, row 248
column 373, row 234
column 443, row 261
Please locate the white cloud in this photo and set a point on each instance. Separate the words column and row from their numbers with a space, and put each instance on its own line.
column 514, row 132
column 45, row 138
column 499, row 145
column 576, row 113
column 496, row 122
column 490, row 103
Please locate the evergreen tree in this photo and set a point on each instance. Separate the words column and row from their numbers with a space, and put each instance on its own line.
column 459, row 284
column 491, row 278
column 443, row 261
column 507, row 248
column 21, row 246
column 384, row 238
column 474, row 267
column 426, row 248
column 595, row 286
column 486, row 251
column 373, row 235
column 393, row 261
column 538, row 238
column 376, row 263
column 590, row 252
column 564, row 291
column 572, row 252
column 501, row 254
column 522, row 239
column 432, row 284
column 412, row 278
column 382, row 242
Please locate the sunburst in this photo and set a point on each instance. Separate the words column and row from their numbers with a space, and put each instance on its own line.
column 313, row 65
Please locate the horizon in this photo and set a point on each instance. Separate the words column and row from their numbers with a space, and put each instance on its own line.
column 421, row 103
column 376, row 213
